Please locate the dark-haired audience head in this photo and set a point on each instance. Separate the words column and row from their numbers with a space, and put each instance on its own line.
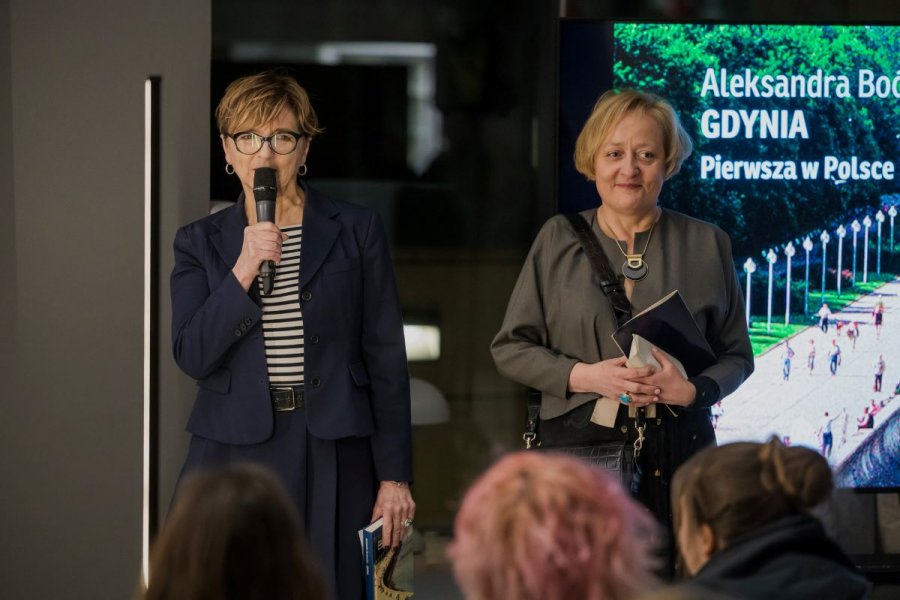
column 232, row 533
column 686, row 591
column 545, row 526
column 724, row 493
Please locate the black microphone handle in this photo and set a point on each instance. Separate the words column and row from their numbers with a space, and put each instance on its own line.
column 267, row 276
column 265, row 211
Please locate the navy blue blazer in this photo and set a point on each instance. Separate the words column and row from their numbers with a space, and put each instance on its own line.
column 356, row 376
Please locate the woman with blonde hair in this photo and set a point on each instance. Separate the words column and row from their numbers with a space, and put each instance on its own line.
column 742, row 514
column 556, row 336
column 550, row 527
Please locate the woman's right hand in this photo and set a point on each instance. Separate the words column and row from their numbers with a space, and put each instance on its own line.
column 262, row 241
column 611, row 378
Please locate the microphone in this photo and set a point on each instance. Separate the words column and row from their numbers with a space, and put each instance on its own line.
column 264, row 192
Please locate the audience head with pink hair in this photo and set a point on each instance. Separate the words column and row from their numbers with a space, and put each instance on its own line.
column 548, row 526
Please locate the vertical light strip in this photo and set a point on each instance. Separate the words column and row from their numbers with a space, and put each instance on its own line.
column 152, row 112
column 148, row 304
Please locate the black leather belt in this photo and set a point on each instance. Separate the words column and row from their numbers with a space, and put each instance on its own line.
column 287, row 398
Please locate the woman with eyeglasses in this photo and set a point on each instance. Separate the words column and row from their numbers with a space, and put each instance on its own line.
column 309, row 379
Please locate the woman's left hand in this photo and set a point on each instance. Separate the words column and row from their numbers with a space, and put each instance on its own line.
column 673, row 387
column 396, row 505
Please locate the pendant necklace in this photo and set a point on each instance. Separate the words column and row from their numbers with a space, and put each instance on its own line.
column 634, row 267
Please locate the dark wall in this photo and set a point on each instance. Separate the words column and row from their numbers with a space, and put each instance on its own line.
column 72, row 139
column 7, row 229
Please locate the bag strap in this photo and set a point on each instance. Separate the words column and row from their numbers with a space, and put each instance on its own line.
column 610, row 283
column 533, row 410
column 613, row 289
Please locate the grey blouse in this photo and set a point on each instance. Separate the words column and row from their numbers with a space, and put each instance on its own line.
column 558, row 316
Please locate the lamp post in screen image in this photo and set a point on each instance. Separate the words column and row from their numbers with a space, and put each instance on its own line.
column 808, row 246
column 879, row 217
column 771, row 257
column 841, row 232
column 867, row 223
column 825, row 239
column 789, row 252
column 855, row 226
column 892, row 212
column 749, row 269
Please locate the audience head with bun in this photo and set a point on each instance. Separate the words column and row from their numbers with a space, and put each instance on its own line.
column 745, row 527
column 540, row 525
column 737, row 488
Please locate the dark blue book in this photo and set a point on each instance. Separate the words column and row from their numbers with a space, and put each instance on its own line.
column 388, row 571
column 669, row 325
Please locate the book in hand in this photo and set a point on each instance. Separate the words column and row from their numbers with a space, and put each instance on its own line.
column 641, row 355
column 388, row 571
column 669, row 325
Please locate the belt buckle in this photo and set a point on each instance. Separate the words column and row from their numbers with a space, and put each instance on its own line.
column 287, row 404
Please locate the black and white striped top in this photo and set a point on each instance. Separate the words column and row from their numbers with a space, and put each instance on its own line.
column 282, row 318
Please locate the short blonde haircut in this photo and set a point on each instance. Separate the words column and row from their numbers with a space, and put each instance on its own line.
column 255, row 100
column 611, row 108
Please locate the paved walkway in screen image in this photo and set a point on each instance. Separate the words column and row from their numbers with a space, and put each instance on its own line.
column 794, row 409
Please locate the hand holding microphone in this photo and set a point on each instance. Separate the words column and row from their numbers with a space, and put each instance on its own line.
column 264, row 192
column 261, row 249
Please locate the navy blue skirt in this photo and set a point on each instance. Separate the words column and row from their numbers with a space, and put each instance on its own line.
column 332, row 484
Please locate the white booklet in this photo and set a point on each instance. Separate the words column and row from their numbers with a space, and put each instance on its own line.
column 639, row 355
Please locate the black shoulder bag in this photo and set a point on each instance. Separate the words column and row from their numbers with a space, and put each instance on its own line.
column 613, row 456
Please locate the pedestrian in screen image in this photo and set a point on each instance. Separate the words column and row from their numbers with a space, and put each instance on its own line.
column 786, row 357
column 874, row 407
column 834, row 357
column 811, row 356
column 879, row 372
column 878, row 314
column 826, row 436
column 824, row 315
column 853, row 333
column 866, row 421
column 716, row 412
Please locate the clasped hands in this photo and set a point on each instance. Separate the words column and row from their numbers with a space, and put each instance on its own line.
column 642, row 385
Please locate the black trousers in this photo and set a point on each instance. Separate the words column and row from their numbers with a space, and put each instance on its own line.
column 669, row 440
column 332, row 484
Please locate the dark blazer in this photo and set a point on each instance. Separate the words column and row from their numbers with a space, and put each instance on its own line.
column 356, row 377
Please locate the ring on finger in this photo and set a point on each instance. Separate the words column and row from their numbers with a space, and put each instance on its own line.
column 625, row 397
column 407, row 522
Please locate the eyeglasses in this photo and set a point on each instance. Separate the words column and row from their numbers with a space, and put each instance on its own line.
column 282, row 142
